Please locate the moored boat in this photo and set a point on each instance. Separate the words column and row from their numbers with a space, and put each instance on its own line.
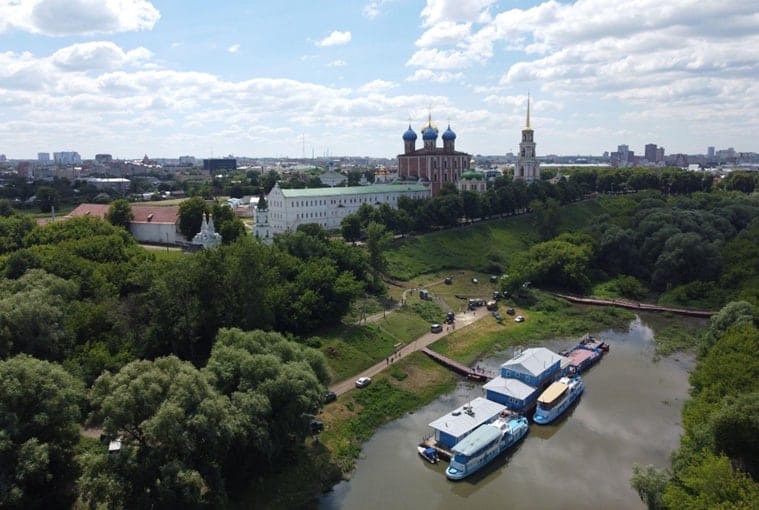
column 429, row 454
column 557, row 398
column 484, row 444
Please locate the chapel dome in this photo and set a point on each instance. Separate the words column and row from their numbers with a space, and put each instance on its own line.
column 449, row 134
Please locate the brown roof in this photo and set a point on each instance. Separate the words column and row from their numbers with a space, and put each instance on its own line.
column 141, row 213
column 155, row 214
column 94, row 210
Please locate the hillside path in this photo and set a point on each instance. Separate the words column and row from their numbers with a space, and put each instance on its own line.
column 463, row 319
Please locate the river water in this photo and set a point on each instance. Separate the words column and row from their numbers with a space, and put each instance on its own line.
column 629, row 413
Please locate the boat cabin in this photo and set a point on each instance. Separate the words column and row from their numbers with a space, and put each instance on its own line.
column 534, row 366
column 552, row 395
column 510, row 392
column 451, row 428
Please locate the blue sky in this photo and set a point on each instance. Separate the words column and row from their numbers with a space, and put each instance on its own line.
column 345, row 77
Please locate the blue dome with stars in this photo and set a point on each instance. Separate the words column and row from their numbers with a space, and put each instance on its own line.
column 409, row 135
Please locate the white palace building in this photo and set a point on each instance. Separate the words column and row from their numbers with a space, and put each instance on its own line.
column 289, row 208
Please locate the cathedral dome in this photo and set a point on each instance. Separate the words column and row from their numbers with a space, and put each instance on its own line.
column 409, row 135
column 429, row 133
column 449, row 134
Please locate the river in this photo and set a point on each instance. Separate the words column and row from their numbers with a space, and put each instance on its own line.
column 629, row 413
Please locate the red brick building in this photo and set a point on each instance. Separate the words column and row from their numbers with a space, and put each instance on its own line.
column 431, row 165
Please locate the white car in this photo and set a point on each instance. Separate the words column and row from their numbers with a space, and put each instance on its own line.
column 519, row 318
column 363, row 382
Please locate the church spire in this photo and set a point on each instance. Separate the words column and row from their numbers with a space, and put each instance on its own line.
column 528, row 110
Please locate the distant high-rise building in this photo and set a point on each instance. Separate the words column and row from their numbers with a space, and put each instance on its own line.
column 43, row 157
column 527, row 166
column 660, row 154
column 710, row 151
column 623, row 157
column 650, row 152
column 67, row 158
column 214, row 165
column 103, row 158
column 187, row 160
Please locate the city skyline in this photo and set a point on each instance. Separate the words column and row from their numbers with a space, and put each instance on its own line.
column 295, row 79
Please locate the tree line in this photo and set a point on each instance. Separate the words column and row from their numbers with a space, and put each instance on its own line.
column 173, row 354
column 717, row 464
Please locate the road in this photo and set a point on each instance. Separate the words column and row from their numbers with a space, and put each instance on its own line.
column 463, row 319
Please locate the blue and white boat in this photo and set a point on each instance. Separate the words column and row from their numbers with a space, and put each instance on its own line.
column 557, row 398
column 428, row 453
column 484, row 444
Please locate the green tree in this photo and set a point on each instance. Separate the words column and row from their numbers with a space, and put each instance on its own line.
column 736, row 432
column 176, row 432
column 377, row 239
column 33, row 310
column 649, row 483
column 227, row 223
column 710, row 482
column 47, row 198
column 191, row 213
column 120, row 213
column 350, row 228
column 13, row 228
column 274, row 385
column 39, row 414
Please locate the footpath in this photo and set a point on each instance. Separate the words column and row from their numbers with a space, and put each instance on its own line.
column 463, row 319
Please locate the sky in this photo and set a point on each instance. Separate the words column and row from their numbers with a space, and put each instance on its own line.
column 295, row 78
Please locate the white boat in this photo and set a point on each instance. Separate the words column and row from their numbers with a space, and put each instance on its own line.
column 557, row 398
column 484, row 444
column 428, row 453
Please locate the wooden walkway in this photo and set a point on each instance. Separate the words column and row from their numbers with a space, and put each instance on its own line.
column 457, row 367
column 634, row 305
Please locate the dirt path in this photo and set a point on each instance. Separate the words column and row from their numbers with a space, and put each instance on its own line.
column 463, row 319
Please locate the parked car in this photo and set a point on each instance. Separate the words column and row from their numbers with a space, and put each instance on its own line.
column 436, row 328
column 475, row 280
column 510, row 311
column 330, row 396
column 519, row 318
column 448, row 280
column 497, row 316
column 316, row 426
column 363, row 382
column 450, row 318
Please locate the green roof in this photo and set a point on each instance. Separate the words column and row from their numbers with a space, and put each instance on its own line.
column 351, row 190
column 473, row 174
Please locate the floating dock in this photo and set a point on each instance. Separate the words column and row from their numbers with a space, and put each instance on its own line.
column 457, row 367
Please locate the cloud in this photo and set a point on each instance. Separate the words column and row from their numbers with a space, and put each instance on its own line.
column 337, row 63
column 445, row 32
column 376, row 86
column 335, row 38
column 98, row 55
column 234, row 48
column 456, row 11
column 78, row 17
column 436, row 77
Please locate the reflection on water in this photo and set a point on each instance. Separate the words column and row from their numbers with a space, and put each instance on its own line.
column 629, row 412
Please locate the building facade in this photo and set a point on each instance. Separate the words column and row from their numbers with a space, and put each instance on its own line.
column 527, row 166
column 431, row 165
column 287, row 209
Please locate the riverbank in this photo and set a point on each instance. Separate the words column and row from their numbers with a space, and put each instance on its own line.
column 413, row 381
